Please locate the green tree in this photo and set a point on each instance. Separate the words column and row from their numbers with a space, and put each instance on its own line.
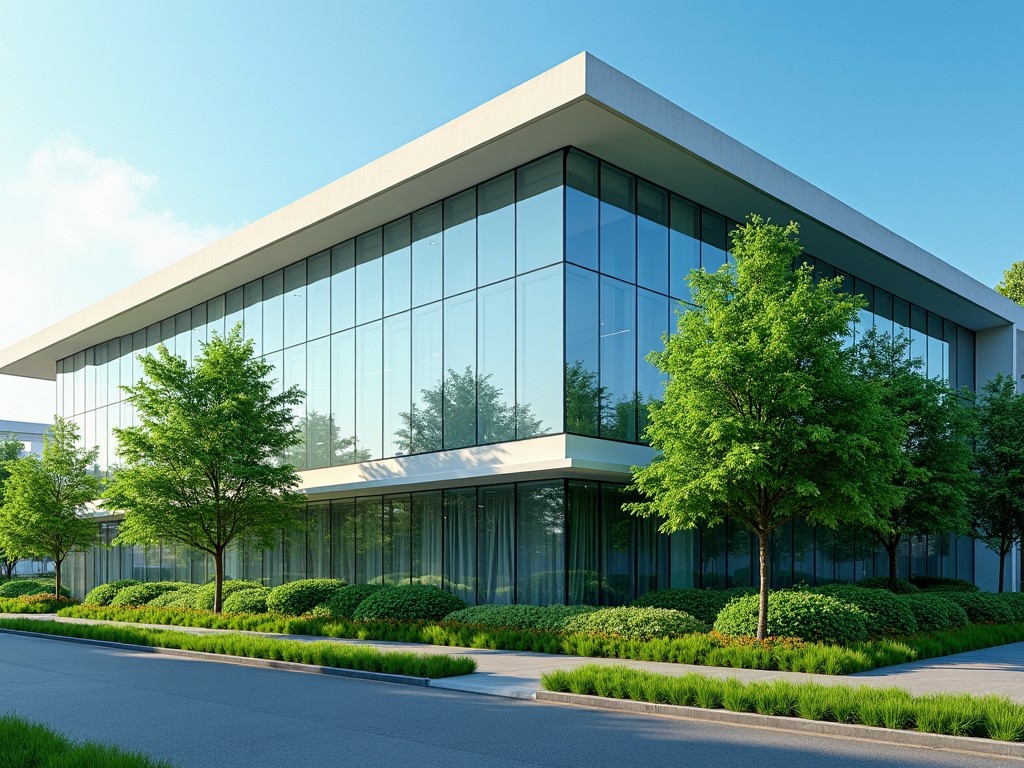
column 201, row 466
column 10, row 449
column 935, row 475
column 45, row 497
column 998, row 497
column 763, row 419
column 1012, row 286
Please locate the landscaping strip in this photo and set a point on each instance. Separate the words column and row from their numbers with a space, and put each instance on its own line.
column 275, row 652
column 960, row 715
column 27, row 744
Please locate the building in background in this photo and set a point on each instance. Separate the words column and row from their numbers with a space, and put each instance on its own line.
column 470, row 317
column 30, row 434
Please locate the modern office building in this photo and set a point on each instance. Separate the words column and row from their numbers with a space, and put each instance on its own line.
column 470, row 315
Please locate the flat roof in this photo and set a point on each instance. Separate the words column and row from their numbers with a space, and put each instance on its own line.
column 582, row 102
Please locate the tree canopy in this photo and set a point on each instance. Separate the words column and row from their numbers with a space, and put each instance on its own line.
column 10, row 449
column 45, row 498
column 202, row 464
column 763, row 419
column 1012, row 286
column 934, row 476
column 998, row 496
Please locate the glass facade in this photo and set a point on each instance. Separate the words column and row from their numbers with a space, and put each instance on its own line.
column 535, row 543
column 526, row 305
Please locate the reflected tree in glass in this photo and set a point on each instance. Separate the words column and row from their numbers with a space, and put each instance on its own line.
column 326, row 443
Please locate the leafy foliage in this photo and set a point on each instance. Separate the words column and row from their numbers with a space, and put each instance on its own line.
column 39, row 603
column 796, row 613
column 409, row 602
column 201, row 465
column 634, row 623
column 1012, row 285
column 295, row 598
column 44, row 498
column 900, row 586
column 548, row 618
column 342, row 603
column 19, row 587
column 10, row 450
column 104, row 593
column 942, row 584
column 702, row 604
column 763, row 419
column 933, row 613
column 247, row 600
column 981, row 607
column 203, row 597
column 141, row 594
column 177, row 598
column 885, row 613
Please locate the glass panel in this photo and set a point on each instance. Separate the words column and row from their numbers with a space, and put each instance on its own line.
column 295, row 376
column 460, row 380
column 426, row 255
column 496, row 387
column 182, row 342
column 214, row 318
column 712, row 555
column 273, row 563
column 950, row 338
column 318, row 423
column 618, row 223
column 423, row 423
column 617, row 548
column 652, row 237
column 919, row 337
column 318, row 540
column 397, row 266
column 584, row 567
column 343, row 286
column 460, row 243
column 936, row 348
column 496, row 229
column 582, row 393
column 652, row 324
column 198, row 336
column 541, row 544
column 397, row 383
column 883, row 308
column 90, row 380
column 740, row 565
column 318, row 295
column 965, row 358
column 460, row 543
column 369, row 276
column 803, row 553
column 714, row 241
column 539, row 213
column 295, row 304
column 581, row 209
column 369, row 543
column 295, row 550
column 683, row 546
column 496, row 544
column 273, row 311
column 426, row 538
column 397, row 540
column 369, row 391
column 618, row 359
column 233, row 304
column 540, row 353
column 684, row 247
column 343, row 540
column 343, row 400
column 100, row 358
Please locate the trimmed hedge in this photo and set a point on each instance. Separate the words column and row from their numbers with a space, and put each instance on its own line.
column 19, row 587
column 636, row 623
column 104, row 593
column 702, row 604
column 343, row 603
column 941, row 584
column 38, row 603
column 902, row 586
column 886, row 614
column 1014, row 601
column 247, row 600
column 202, row 598
column 549, row 618
column 934, row 613
column 409, row 602
column 981, row 607
column 177, row 598
column 141, row 594
column 295, row 598
column 796, row 613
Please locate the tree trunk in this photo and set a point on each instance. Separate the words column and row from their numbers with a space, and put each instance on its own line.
column 1002, row 568
column 218, row 560
column 763, row 540
column 56, row 577
column 9, row 568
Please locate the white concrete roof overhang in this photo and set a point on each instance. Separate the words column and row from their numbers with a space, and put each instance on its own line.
column 584, row 103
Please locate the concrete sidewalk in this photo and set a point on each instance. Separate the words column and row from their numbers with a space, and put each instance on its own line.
column 513, row 674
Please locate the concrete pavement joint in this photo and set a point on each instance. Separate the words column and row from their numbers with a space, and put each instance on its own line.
column 1010, row 750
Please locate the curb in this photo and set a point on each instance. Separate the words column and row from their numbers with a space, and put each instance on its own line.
column 793, row 724
column 245, row 661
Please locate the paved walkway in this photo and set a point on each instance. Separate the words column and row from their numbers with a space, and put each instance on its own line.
column 998, row 670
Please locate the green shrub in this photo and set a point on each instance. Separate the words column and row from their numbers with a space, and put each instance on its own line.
column 104, row 593
column 342, row 603
column 410, row 602
column 634, row 623
column 247, row 600
column 796, row 613
column 177, row 598
column 902, row 587
column 38, row 603
column 298, row 597
column 981, row 607
column 141, row 594
column 940, row 584
column 702, row 604
column 934, row 613
column 1014, row 601
column 549, row 618
column 202, row 598
column 886, row 614
column 19, row 587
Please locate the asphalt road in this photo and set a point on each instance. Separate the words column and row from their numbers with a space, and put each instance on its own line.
column 210, row 714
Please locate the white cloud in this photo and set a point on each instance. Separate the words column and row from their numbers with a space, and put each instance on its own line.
column 74, row 228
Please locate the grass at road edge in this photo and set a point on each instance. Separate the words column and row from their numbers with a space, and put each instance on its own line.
column 324, row 653
column 993, row 717
column 27, row 744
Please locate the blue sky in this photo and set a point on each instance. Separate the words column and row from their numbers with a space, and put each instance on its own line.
column 133, row 133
